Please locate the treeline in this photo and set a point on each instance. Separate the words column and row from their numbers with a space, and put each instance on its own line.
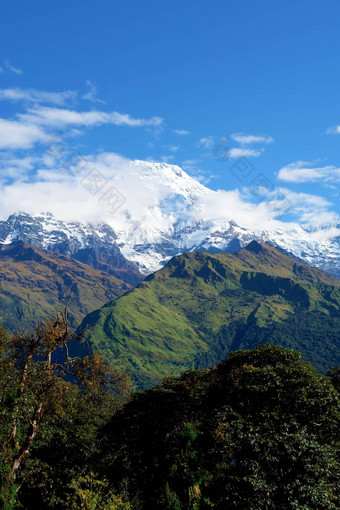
column 259, row 431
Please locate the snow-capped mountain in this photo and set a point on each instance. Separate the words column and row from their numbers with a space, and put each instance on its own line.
column 94, row 245
column 218, row 235
column 166, row 213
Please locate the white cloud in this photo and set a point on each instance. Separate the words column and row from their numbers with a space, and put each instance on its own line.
column 181, row 132
column 167, row 158
column 16, row 135
column 227, row 205
column 222, row 148
column 207, row 142
column 91, row 94
column 37, row 96
column 171, row 148
column 247, row 153
column 249, row 139
column 334, row 130
column 202, row 176
column 310, row 209
column 13, row 69
column 14, row 168
column 302, row 171
column 190, row 164
column 325, row 234
column 61, row 189
column 56, row 117
column 38, row 123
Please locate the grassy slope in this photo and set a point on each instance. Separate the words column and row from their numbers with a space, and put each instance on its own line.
column 35, row 284
column 176, row 315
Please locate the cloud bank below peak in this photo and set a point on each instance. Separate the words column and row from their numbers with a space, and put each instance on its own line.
column 158, row 191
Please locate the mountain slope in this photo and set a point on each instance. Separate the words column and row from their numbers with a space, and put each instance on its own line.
column 34, row 284
column 193, row 311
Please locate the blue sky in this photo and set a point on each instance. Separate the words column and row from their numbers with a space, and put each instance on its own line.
column 238, row 93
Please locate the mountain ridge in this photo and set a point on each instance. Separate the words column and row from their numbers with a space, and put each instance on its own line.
column 190, row 313
column 99, row 246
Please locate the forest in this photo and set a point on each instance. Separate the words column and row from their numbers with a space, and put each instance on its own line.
column 257, row 431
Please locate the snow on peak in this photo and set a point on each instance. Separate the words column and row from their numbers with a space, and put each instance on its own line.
column 167, row 177
column 167, row 212
column 161, row 170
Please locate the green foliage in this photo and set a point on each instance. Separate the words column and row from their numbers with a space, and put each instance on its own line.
column 89, row 493
column 66, row 446
column 334, row 375
column 259, row 431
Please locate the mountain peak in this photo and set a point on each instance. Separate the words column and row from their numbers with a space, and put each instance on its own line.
column 19, row 214
column 263, row 257
column 166, row 174
column 255, row 247
column 158, row 168
column 46, row 214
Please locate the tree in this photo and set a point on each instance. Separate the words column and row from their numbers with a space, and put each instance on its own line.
column 89, row 493
column 334, row 375
column 257, row 432
column 32, row 370
column 274, row 433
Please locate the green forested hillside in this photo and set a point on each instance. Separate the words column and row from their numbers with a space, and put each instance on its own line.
column 199, row 306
